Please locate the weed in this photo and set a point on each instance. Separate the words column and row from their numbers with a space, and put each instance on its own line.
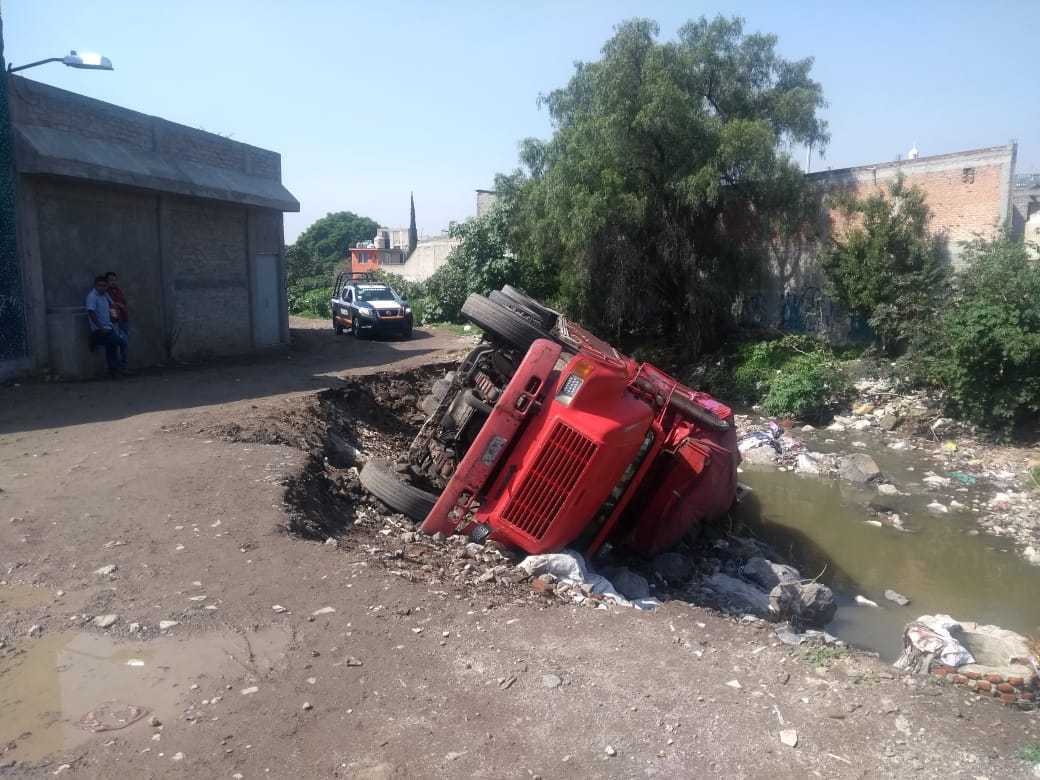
column 824, row 655
column 1030, row 753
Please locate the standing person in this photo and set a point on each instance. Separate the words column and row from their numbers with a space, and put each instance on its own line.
column 120, row 311
column 103, row 331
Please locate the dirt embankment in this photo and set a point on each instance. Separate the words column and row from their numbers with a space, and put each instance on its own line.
column 387, row 654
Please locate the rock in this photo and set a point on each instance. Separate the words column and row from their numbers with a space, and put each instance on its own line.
column 734, row 684
column 887, row 489
column 789, row 737
column 902, row 724
column 934, row 480
column 551, row 681
column 35, row 630
column 809, row 463
column 837, row 427
column 166, row 625
column 937, row 508
column 323, row 611
column 889, row 422
column 863, row 408
column 544, row 584
column 154, row 722
column 807, row 605
column 808, row 428
column 250, row 690
column 863, row 601
column 104, row 621
column 674, row 567
column 306, row 706
column 474, row 550
column 1032, row 555
column 629, row 584
column 352, row 661
column 861, row 425
column 610, row 751
column 767, row 574
column 178, row 756
column 278, row 609
column 764, row 455
column 739, row 594
column 897, row 597
column 859, row 468
column 104, row 571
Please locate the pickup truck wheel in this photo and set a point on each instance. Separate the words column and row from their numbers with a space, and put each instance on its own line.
column 545, row 315
column 379, row 478
column 336, row 326
column 499, row 321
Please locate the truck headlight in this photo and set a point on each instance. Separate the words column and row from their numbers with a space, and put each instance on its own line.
column 407, row 309
column 365, row 311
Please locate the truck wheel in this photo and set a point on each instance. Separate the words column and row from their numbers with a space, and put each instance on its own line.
column 379, row 478
column 502, row 323
column 336, row 326
column 545, row 315
column 355, row 329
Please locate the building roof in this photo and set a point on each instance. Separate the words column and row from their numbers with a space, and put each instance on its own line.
column 62, row 133
column 984, row 154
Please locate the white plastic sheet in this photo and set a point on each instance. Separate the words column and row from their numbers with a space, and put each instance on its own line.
column 570, row 567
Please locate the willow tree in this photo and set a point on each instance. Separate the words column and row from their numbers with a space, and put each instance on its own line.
column 667, row 168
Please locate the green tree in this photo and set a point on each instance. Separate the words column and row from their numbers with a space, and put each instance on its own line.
column 886, row 266
column 323, row 245
column 987, row 351
column 666, row 169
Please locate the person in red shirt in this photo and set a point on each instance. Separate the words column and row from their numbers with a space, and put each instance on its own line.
column 120, row 311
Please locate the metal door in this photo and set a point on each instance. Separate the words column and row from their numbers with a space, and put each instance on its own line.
column 266, row 311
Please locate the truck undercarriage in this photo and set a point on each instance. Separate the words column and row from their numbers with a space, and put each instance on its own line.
column 546, row 437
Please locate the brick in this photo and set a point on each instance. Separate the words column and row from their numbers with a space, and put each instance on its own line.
column 973, row 675
column 1018, row 682
column 996, row 679
column 1006, row 688
column 958, row 679
column 1027, row 696
column 982, row 685
column 1008, row 698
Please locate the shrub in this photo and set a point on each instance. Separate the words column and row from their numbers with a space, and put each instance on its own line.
column 886, row 266
column 311, row 302
column 792, row 376
column 987, row 352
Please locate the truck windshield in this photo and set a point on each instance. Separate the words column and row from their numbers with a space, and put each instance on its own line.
column 375, row 294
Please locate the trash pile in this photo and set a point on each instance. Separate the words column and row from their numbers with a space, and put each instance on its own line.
column 989, row 660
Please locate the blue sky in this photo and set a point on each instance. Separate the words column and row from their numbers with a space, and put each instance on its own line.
column 368, row 101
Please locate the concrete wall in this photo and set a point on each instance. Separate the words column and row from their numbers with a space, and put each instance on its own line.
column 179, row 214
column 1025, row 209
column 969, row 194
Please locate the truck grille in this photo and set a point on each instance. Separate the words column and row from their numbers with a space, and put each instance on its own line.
column 550, row 481
column 388, row 312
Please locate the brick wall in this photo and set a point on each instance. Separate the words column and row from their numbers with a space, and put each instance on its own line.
column 969, row 194
column 207, row 250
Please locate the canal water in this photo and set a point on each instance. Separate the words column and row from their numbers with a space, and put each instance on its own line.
column 941, row 562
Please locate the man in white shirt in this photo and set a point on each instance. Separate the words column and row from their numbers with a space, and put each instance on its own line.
column 103, row 331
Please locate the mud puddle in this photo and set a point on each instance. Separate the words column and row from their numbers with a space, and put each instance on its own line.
column 23, row 597
column 941, row 562
column 62, row 689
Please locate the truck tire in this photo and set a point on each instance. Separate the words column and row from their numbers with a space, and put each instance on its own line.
column 506, row 302
column 545, row 315
column 500, row 322
column 379, row 478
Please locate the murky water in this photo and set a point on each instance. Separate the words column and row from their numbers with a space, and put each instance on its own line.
column 821, row 524
column 48, row 684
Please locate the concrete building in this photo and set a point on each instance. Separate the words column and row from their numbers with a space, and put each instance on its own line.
column 191, row 222
column 969, row 194
column 1025, row 208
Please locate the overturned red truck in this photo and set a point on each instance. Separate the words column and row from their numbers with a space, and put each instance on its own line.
column 547, row 437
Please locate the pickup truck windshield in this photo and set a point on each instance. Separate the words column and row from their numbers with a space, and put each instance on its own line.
column 375, row 294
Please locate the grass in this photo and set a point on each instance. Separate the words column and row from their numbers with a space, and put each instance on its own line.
column 824, row 655
column 1030, row 753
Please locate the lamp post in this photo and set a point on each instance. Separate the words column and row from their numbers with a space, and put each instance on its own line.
column 84, row 61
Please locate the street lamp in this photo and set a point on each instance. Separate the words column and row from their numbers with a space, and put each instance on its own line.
column 85, row 61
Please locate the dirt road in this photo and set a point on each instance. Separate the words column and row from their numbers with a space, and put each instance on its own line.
column 146, row 576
